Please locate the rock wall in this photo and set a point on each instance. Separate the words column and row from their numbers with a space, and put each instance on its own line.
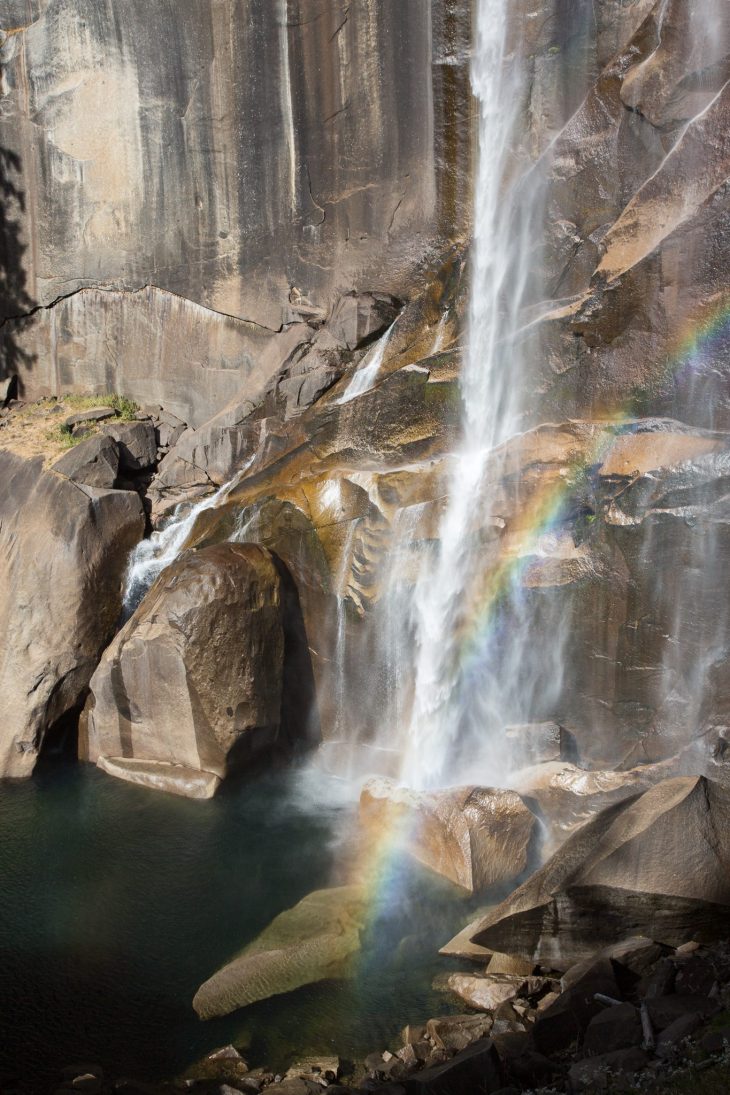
column 183, row 177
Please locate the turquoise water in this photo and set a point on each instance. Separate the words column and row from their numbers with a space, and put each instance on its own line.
column 117, row 902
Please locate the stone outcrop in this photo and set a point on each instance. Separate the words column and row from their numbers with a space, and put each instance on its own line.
column 65, row 547
column 192, row 685
column 474, row 836
column 94, row 462
column 656, row 865
column 314, row 941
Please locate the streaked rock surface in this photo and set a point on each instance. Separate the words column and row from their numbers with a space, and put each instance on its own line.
column 65, row 547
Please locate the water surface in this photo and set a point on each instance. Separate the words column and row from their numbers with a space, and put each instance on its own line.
column 117, row 902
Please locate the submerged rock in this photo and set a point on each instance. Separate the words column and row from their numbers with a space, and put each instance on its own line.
column 314, row 941
column 657, row 865
column 192, row 685
column 474, row 836
column 65, row 547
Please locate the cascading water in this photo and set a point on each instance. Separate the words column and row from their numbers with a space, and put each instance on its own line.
column 367, row 372
column 450, row 698
column 151, row 556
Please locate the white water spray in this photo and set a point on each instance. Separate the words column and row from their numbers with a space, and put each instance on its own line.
column 449, row 703
column 367, row 372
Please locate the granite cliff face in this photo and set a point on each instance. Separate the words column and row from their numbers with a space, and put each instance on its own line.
column 253, row 213
column 194, row 177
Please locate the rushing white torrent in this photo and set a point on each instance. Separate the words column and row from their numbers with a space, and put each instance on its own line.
column 450, row 702
column 367, row 372
column 151, row 556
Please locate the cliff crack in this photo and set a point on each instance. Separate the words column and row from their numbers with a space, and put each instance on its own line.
column 314, row 201
column 342, row 24
column 134, row 292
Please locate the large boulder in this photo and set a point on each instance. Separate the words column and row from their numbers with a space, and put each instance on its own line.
column 656, row 865
column 474, row 836
column 193, row 683
column 94, row 462
column 314, row 941
column 65, row 547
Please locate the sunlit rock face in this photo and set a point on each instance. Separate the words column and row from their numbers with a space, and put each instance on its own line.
column 632, row 865
column 192, row 686
column 220, row 180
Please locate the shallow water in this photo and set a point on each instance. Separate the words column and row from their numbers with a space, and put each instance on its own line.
column 117, row 902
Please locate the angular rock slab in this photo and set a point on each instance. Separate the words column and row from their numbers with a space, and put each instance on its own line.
column 193, row 682
column 657, row 865
column 94, row 462
column 474, row 836
column 65, row 547
column 314, row 941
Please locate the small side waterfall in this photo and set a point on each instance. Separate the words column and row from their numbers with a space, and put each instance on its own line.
column 151, row 556
column 451, row 697
column 367, row 372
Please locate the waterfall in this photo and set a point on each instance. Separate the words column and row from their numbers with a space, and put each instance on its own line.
column 367, row 372
column 452, row 698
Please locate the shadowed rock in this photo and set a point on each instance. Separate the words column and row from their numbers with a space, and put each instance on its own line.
column 65, row 547
column 314, row 941
column 94, row 462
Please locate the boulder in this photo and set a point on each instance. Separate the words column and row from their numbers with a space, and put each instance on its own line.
column 655, row 865
column 565, row 1021
column 94, row 462
column 314, row 941
column 483, row 991
column 456, row 1032
column 137, row 444
column 83, row 418
column 476, row 1069
column 566, row 796
column 194, row 678
column 65, row 548
column 613, row 1028
column 474, row 836
column 594, row 1073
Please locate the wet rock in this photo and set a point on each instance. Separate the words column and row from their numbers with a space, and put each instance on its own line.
column 137, row 444
column 65, row 548
column 94, row 462
column 631, row 870
column 594, row 1073
column 475, row 836
column 358, row 317
column 567, row 796
column 539, row 743
column 194, row 679
column 314, row 941
column 475, row 1069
